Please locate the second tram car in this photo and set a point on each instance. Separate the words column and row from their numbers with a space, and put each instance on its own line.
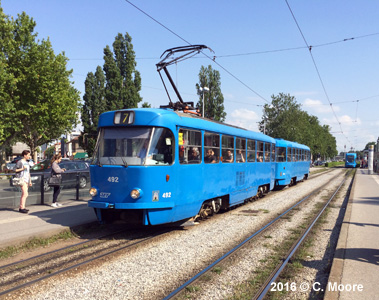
column 292, row 162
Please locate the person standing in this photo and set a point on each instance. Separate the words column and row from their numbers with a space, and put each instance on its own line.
column 23, row 167
column 56, row 171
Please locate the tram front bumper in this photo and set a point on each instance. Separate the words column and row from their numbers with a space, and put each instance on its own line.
column 143, row 205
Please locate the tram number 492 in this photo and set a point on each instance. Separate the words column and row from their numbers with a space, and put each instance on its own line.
column 112, row 179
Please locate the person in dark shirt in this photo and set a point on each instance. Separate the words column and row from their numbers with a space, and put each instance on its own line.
column 210, row 158
column 228, row 157
column 194, row 155
column 56, row 171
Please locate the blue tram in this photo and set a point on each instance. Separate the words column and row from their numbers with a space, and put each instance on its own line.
column 155, row 166
column 350, row 160
column 292, row 162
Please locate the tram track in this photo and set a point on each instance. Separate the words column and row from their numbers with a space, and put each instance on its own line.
column 156, row 246
column 265, row 288
column 199, row 282
column 21, row 274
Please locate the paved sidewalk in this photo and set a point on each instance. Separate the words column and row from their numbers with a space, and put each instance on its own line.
column 355, row 270
column 42, row 221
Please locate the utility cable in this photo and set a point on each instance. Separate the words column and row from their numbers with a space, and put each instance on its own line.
column 315, row 65
column 211, row 58
column 297, row 48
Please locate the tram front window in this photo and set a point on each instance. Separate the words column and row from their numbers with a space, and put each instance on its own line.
column 134, row 146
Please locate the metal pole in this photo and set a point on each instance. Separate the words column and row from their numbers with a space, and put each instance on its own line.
column 203, row 90
column 42, row 187
column 77, row 186
column 371, row 159
column 203, row 103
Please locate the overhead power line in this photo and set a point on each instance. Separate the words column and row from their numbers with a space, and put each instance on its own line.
column 318, row 72
column 211, row 58
column 298, row 48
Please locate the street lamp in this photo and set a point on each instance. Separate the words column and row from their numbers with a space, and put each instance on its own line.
column 203, row 90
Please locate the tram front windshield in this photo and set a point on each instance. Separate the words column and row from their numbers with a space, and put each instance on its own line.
column 134, row 146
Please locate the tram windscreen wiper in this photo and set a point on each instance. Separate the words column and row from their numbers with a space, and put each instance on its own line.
column 125, row 164
column 98, row 163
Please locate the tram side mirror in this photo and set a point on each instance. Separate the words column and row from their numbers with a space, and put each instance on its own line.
column 158, row 157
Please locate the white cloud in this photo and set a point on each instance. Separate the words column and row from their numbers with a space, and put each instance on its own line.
column 318, row 107
column 243, row 118
column 345, row 121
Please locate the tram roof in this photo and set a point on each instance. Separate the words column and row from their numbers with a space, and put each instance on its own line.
column 169, row 118
column 285, row 143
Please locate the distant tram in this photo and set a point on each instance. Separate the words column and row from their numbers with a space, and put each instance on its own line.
column 350, row 160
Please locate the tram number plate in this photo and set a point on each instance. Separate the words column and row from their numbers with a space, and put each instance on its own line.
column 166, row 195
column 112, row 179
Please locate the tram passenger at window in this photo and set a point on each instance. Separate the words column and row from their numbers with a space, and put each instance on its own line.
column 267, row 156
column 143, row 152
column 210, row 158
column 194, row 155
column 228, row 157
column 239, row 156
column 143, row 155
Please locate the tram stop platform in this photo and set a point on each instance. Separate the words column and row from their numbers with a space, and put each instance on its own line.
column 355, row 268
column 42, row 221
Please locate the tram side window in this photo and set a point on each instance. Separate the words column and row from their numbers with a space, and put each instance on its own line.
column 161, row 148
column 211, row 148
column 280, row 154
column 267, row 152
column 289, row 154
column 303, row 155
column 189, row 146
column 227, row 149
column 251, row 150
column 240, row 150
column 260, row 151
column 272, row 152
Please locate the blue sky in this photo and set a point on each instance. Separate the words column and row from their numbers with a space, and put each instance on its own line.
column 344, row 36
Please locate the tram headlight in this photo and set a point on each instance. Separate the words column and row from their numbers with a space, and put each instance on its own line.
column 93, row 192
column 136, row 193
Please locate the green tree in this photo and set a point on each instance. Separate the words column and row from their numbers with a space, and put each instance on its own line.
column 285, row 119
column 214, row 99
column 115, row 86
column 38, row 100
column 369, row 144
column 146, row 105
column 94, row 105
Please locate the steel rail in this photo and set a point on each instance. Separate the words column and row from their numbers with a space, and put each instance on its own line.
column 18, row 287
column 229, row 253
column 60, row 249
column 280, row 267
